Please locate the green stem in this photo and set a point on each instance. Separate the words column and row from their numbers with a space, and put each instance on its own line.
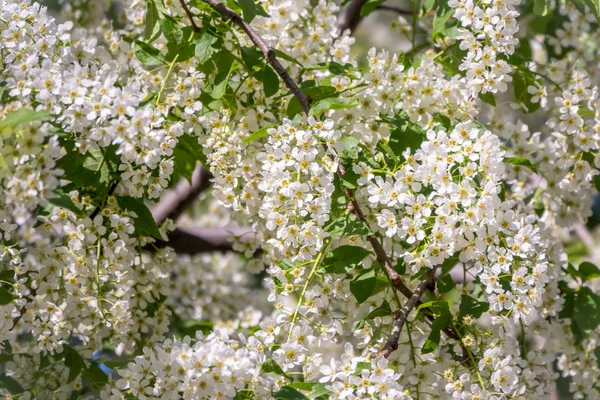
column 310, row 276
column 166, row 79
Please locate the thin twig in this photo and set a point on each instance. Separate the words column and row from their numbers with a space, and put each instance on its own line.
column 350, row 15
column 111, row 190
column 196, row 240
column 195, row 27
column 395, row 9
column 268, row 52
column 400, row 317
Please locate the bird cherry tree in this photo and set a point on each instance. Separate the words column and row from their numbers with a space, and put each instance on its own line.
column 383, row 225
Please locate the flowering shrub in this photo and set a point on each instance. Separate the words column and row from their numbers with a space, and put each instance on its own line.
column 385, row 226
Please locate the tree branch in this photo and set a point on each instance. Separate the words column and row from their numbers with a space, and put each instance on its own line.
column 350, row 15
column 400, row 316
column 395, row 9
column 181, row 197
column 195, row 27
column 203, row 240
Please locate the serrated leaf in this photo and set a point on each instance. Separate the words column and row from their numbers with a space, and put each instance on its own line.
column 588, row 271
column 344, row 258
column 144, row 222
column 151, row 27
column 270, row 81
column 147, row 54
column 24, row 115
column 204, row 49
column 333, row 103
column 170, row 28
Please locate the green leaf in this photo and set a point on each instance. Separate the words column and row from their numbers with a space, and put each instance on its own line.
column 64, row 201
column 319, row 390
column 270, row 81
column 271, row 367
column 588, row 271
column 442, row 16
column 522, row 79
column 382, row 311
column 170, row 28
column 287, row 57
column 471, row 306
column 488, row 98
column 10, row 384
column 289, row 393
column 344, row 258
column 151, row 28
column 450, row 262
column 367, row 284
column 186, row 155
column 594, row 6
column 6, row 296
column 347, row 225
column 74, row 362
column 147, row 54
column 580, row 5
column 285, row 265
column 95, row 377
column 333, row 103
column 540, row 7
column 144, row 222
column 226, row 65
column 307, row 386
column 445, row 283
column 24, row 115
column 262, row 132
column 248, row 9
column 369, row 7
column 586, row 312
column 442, row 321
column 204, row 49
column 252, row 57
column 525, row 162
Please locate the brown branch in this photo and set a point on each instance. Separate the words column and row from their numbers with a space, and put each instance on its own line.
column 195, row 27
column 181, row 197
column 203, row 240
column 398, row 10
column 350, row 16
column 400, row 316
column 268, row 52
